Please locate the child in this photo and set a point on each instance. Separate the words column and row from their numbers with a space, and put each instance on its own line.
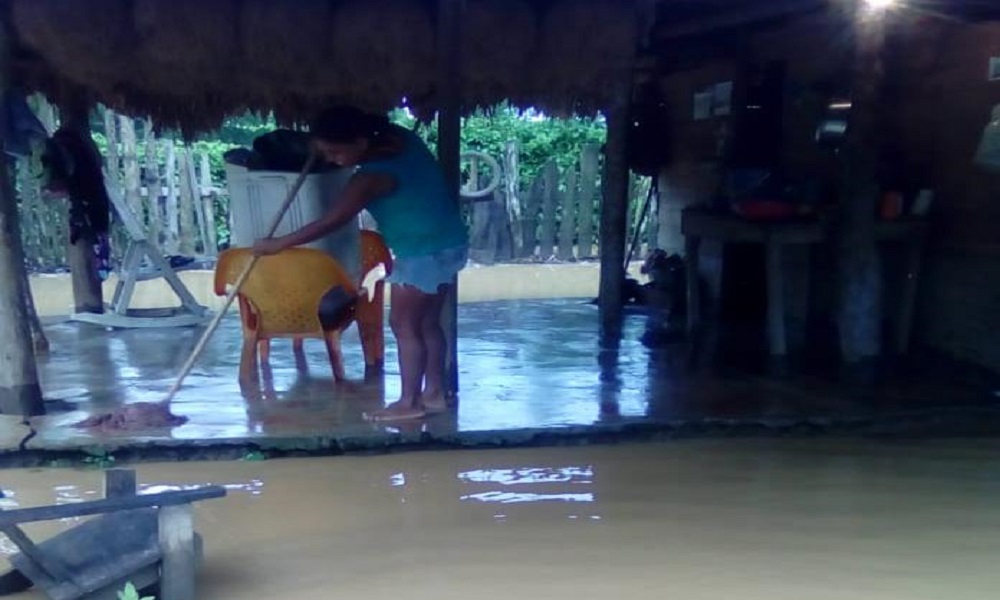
column 400, row 183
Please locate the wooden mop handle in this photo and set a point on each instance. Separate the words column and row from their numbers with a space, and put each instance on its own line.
column 238, row 285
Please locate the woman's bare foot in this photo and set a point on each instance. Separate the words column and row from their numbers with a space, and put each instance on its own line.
column 434, row 403
column 398, row 411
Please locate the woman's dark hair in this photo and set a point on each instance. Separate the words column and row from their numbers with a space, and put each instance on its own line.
column 345, row 124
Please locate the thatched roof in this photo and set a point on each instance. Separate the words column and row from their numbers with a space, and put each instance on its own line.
column 191, row 62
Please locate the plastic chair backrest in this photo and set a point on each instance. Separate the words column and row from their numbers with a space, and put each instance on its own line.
column 373, row 252
column 285, row 289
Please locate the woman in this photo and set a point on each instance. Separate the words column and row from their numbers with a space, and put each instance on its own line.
column 400, row 183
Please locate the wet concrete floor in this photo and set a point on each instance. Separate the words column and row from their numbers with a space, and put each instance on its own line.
column 528, row 369
column 699, row 519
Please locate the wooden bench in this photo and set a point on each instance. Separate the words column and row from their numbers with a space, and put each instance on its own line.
column 143, row 539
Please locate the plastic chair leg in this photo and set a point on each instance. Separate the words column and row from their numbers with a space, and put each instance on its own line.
column 332, row 339
column 248, row 359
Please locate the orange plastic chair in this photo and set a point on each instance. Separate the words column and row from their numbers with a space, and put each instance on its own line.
column 281, row 299
column 370, row 311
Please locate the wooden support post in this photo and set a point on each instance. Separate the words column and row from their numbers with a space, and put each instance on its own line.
column 119, row 483
column 512, row 195
column 529, row 223
column 776, row 336
column 151, row 180
column 171, row 232
column 188, row 233
column 130, row 167
column 589, row 162
column 449, row 22
column 88, row 295
column 614, row 214
column 908, row 295
column 567, row 223
column 179, row 562
column 860, row 293
column 550, row 201
column 20, row 393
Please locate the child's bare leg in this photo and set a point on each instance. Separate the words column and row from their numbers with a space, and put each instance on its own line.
column 433, row 397
column 409, row 305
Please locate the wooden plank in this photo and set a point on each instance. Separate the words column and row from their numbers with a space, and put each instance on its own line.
column 201, row 219
column 127, row 278
column 55, row 570
column 188, row 232
column 529, row 219
column 550, row 199
column 151, row 183
column 172, row 229
column 130, row 167
column 208, row 201
column 108, row 505
column 111, row 135
column 512, row 194
column 589, row 162
column 167, row 272
column 567, row 222
column 179, row 561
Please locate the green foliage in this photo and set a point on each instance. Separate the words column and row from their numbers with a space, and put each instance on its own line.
column 539, row 137
column 99, row 459
column 130, row 593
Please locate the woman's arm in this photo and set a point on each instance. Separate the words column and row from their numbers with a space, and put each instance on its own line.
column 360, row 190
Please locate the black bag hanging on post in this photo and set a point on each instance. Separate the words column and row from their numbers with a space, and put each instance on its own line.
column 648, row 148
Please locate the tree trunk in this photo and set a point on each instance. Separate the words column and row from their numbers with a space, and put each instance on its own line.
column 20, row 393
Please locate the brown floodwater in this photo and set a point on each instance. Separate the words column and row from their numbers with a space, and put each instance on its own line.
column 749, row 519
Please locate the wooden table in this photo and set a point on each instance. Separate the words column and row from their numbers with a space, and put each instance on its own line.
column 699, row 224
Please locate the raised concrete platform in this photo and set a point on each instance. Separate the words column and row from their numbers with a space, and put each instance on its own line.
column 531, row 373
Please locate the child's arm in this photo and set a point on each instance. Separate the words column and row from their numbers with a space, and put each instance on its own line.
column 361, row 189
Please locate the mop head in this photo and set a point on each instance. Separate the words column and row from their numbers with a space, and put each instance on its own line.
column 136, row 416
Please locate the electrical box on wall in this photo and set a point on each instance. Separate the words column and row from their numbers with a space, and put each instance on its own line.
column 994, row 74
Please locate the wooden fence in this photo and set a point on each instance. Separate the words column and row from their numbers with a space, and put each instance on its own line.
column 167, row 185
column 554, row 217
column 170, row 188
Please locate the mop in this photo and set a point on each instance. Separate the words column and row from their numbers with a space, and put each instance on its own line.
column 146, row 415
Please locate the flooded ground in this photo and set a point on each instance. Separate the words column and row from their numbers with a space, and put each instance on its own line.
column 809, row 519
column 526, row 367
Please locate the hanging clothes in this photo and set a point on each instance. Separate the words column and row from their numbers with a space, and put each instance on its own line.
column 72, row 165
